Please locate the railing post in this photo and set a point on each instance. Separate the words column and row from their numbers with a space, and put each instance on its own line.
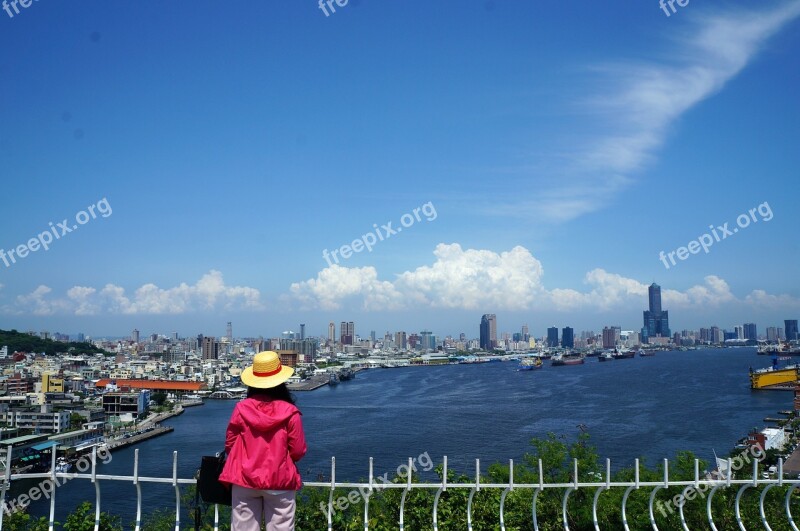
column 330, row 497
column 438, row 495
column 97, row 490
column 405, row 492
column 369, row 493
column 505, row 493
column 138, row 489
column 6, row 485
column 628, row 491
column 52, row 520
column 177, row 490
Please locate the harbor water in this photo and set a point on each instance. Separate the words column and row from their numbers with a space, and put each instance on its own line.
column 646, row 407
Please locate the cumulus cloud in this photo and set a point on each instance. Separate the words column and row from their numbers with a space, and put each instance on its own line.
column 473, row 279
column 337, row 284
column 208, row 293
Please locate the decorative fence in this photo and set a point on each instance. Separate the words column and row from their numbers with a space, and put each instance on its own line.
column 51, row 479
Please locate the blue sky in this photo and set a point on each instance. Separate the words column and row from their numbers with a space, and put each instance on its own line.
column 561, row 147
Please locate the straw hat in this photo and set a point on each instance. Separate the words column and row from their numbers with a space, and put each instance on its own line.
column 266, row 371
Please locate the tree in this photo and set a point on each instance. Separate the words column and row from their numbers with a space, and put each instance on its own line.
column 76, row 420
column 159, row 398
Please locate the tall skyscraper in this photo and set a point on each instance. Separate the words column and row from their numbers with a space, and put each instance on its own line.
column 772, row 333
column 488, row 331
column 302, row 331
column 525, row 333
column 331, row 332
column 210, row 348
column 750, row 331
column 229, row 333
column 347, row 332
column 426, row 340
column 400, row 340
column 135, row 336
column 610, row 337
column 790, row 328
column 567, row 337
column 656, row 320
column 552, row 337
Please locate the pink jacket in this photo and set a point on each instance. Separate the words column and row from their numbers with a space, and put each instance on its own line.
column 264, row 440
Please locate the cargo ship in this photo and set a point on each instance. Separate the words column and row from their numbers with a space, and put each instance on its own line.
column 774, row 377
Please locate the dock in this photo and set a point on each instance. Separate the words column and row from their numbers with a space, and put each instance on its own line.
column 308, row 385
column 138, row 437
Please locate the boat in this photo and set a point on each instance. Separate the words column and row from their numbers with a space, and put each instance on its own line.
column 605, row 356
column 623, row 354
column 334, row 379
column 529, row 364
column 780, row 349
column 566, row 359
column 774, row 376
column 62, row 465
column 645, row 353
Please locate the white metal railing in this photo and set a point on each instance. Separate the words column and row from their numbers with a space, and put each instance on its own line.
column 367, row 489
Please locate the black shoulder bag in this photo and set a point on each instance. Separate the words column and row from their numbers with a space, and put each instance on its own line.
column 208, row 485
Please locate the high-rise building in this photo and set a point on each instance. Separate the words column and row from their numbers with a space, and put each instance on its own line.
column 772, row 333
column 610, row 337
column 135, row 336
column 372, row 336
column 347, row 332
column 426, row 340
column 790, row 327
column 705, row 335
column 717, row 336
column 488, row 331
column 750, row 331
column 400, row 340
column 210, row 348
column 656, row 320
column 526, row 336
column 331, row 332
column 229, row 333
column 567, row 337
column 302, row 331
column 552, row 337
column 738, row 330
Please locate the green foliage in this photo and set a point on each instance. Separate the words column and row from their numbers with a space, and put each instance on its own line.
column 82, row 519
column 19, row 342
column 159, row 397
column 22, row 521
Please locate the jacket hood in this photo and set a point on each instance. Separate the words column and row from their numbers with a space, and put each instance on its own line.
column 263, row 413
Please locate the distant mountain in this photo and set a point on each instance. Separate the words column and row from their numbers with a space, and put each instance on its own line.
column 18, row 341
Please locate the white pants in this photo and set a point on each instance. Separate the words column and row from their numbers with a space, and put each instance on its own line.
column 250, row 506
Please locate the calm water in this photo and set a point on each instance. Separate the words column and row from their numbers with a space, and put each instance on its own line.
column 643, row 407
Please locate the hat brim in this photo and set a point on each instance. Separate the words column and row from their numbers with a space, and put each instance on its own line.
column 265, row 382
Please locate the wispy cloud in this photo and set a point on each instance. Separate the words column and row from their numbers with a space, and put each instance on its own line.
column 636, row 103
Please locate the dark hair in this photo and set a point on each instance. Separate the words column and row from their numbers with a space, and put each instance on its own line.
column 280, row 392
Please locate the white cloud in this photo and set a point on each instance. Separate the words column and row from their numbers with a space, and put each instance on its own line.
column 636, row 104
column 337, row 284
column 208, row 293
column 475, row 279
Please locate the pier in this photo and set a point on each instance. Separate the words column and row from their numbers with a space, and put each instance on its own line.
column 134, row 438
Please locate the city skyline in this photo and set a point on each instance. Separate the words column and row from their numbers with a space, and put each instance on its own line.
column 527, row 162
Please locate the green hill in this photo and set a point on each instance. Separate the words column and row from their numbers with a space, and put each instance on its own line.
column 18, row 341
